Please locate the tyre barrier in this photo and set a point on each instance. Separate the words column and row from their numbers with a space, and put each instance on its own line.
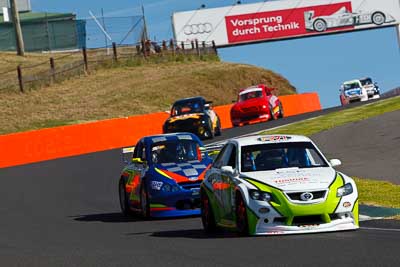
column 72, row 140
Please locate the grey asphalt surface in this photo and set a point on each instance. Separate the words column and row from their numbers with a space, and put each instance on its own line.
column 368, row 148
column 65, row 212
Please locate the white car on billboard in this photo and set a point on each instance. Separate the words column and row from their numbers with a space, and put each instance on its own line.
column 344, row 17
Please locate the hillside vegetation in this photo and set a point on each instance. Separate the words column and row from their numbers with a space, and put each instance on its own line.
column 128, row 90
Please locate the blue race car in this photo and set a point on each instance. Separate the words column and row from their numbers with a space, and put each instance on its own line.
column 164, row 176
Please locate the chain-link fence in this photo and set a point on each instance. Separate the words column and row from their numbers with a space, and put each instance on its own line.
column 57, row 32
column 63, row 66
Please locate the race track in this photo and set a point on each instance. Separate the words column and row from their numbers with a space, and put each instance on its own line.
column 368, row 149
column 66, row 213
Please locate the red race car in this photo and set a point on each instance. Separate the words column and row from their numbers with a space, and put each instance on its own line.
column 256, row 104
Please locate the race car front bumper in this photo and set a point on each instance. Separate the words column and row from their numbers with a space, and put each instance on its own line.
column 340, row 224
column 175, row 204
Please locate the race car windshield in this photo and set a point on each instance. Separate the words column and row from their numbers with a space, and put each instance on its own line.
column 366, row 82
column 250, row 95
column 175, row 151
column 268, row 157
column 351, row 86
column 187, row 108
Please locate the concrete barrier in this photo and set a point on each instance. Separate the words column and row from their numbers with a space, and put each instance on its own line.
column 72, row 140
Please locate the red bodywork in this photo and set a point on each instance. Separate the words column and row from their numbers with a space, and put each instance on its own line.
column 256, row 104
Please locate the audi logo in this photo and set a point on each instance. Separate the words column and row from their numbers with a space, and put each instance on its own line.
column 198, row 28
column 306, row 196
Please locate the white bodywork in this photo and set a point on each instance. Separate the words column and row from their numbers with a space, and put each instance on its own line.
column 288, row 180
column 343, row 18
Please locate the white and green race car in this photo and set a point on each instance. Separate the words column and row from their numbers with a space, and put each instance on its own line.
column 271, row 185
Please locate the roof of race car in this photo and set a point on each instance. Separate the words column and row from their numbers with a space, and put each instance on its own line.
column 197, row 98
column 352, row 81
column 251, row 89
column 270, row 139
column 170, row 137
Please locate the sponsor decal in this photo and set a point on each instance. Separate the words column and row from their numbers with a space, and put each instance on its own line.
column 275, row 138
column 346, row 204
column 156, row 185
column 280, row 23
column 199, row 28
column 291, row 180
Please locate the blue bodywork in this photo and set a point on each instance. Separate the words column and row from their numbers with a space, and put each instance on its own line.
column 171, row 167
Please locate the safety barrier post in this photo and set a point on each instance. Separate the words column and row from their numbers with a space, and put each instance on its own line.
column 21, row 82
column 214, row 47
column 52, row 70
column 115, row 52
column 85, row 59
column 197, row 48
column 172, row 46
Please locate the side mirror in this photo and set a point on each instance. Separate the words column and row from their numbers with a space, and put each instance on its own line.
column 335, row 162
column 227, row 170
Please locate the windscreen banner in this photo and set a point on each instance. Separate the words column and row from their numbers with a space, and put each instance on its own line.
column 272, row 20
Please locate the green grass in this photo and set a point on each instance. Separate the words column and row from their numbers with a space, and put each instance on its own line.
column 378, row 193
column 371, row 192
column 335, row 119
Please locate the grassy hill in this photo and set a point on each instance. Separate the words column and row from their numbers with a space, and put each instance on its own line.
column 126, row 91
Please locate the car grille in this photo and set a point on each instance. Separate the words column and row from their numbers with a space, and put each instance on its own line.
column 249, row 118
column 250, row 109
column 318, row 195
column 190, row 185
column 307, row 220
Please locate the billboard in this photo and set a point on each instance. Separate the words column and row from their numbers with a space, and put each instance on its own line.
column 274, row 20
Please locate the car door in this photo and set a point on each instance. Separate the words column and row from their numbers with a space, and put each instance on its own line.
column 138, row 169
column 217, row 184
column 229, row 185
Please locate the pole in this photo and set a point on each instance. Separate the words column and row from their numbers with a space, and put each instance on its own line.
column 145, row 34
column 104, row 26
column 17, row 27
column 398, row 34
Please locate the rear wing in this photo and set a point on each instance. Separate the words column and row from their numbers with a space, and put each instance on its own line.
column 127, row 153
column 214, row 149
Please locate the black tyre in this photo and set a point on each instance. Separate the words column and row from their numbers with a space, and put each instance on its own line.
column 281, row 112
column 218, row 128
column 144, row 201
column 207, row 214
column 209, row 131
column 320, row 25
column 242, row 222
column 272, row 114
column 378, row 18
column 124, row 198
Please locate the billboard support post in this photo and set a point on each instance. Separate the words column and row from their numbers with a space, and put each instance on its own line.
column 398, row 34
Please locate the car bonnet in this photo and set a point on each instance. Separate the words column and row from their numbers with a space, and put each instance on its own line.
column 189, row 171
column 294, row 179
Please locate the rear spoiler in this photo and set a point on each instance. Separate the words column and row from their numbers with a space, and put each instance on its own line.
column 127, row 153
column 214, row 149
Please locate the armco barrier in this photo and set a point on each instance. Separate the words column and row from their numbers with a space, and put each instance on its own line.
column 65, row 141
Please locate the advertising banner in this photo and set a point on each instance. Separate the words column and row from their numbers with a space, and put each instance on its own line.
column 273, row 20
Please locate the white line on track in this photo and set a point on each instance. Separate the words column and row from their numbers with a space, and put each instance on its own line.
column 380, row 229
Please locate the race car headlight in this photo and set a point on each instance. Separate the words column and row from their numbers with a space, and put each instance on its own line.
column 345, row 190
column 259, row 195
column 166, row 188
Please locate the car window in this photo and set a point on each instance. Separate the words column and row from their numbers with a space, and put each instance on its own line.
column 250, row 95
column 269, row 157
column 139, row 147
column 223, row 157
column 232, row 159
column 175, row 151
